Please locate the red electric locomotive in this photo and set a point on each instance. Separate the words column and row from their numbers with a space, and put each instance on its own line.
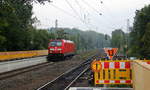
column 60, row 49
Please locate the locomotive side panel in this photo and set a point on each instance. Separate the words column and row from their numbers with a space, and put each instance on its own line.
column 69, row 48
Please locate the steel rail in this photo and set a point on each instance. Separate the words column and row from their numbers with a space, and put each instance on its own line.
column 23, row 70
column 77, row 77
column 65, row 80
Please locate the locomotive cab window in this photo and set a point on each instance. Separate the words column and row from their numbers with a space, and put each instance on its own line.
column 56, row 43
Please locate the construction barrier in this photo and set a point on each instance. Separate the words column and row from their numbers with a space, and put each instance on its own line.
column 21, row 54
column 146, row 61
column 141, row 74
column 112, row 72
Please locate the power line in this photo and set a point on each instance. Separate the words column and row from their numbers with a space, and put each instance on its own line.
column 90, row 6
column 67, row 13
column 81, row 10
column 96, row 11
column 80, row 18
column 62, row 10
column 73, row 9
column 79, row 7
column 77, row 17
column 84, row 20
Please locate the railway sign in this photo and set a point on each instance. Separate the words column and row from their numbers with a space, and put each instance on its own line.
column 96, row 66
column 111, row 52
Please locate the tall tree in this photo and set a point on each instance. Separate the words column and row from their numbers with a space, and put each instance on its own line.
column 15, row 21
column 119, row 40
column 140, row 33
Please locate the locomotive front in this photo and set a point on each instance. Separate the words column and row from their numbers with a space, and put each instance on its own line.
column 55, row 49
column 60, row 49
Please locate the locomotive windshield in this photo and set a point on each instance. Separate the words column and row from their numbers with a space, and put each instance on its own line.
column 56, row 43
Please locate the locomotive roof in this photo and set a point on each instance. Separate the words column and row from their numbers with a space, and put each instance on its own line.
column 68, row 41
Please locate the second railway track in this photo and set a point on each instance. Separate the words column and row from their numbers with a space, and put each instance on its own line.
column 65, row 80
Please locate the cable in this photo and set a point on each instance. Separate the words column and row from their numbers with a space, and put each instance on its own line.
column 80, row 18
column 73, row 9
column 90, row 6
column 80, row 7
column 96, row 11
column 84, row 20
column 67, row 13
column 63, row 10
column 75, row 17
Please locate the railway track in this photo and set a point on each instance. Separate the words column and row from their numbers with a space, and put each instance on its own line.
column 65, row 80
column 16, row 72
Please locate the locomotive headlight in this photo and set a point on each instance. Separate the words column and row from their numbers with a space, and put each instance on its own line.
column 59, row 49
column 52, row 49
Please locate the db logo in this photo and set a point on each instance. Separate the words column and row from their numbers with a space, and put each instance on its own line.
column 96, row 66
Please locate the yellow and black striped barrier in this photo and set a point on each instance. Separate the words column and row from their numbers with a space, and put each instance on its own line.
column 21, row 54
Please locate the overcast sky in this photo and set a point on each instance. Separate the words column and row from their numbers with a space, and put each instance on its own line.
column 99, row 15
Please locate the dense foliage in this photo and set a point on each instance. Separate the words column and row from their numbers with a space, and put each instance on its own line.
column 119, row 40
column 140, row 34
column 15, row 24
column 17, row 32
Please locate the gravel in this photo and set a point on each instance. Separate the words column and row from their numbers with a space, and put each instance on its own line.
column 34, row 79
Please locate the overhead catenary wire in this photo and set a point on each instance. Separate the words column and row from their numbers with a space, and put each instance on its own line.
column 80, row 7
column 84, row 16
column 77, row 16
column 106, row 19
column 80, row 18
column 62, row 10
column 84, row 20
column 73, row 9
column 82, row 11
column 69, row 14
column 90, row 6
